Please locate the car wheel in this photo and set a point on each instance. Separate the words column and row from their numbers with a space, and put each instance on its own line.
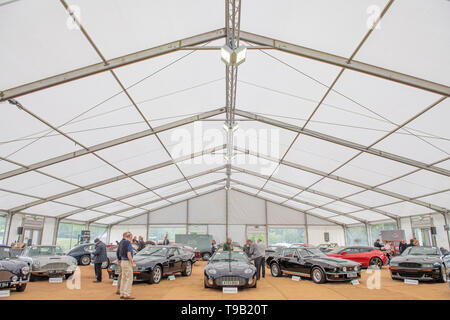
column 377, row 262
column 187, row 269
column 443, row 277
column 318, row 275
column 21, row 288
column 106, row 264
column 85, row 260
column 275, row 270
column 206, row 256
column 156, row 275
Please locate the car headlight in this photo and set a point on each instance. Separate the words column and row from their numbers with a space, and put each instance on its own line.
column 25, row 270
column 14, row 278
column 248, row 271
column 356, row 268
column 212, row 271
column 344, row 269
column 335, row 269
column 436, row 264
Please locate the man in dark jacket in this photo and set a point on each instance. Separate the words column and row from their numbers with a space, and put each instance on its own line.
column 377, row 244
column 402, row 246
column 99, row 258
column 141, row 243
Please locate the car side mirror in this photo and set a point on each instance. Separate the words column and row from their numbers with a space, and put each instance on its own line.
column 344, row 252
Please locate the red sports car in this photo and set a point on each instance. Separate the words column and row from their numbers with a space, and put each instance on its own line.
column 367, row 256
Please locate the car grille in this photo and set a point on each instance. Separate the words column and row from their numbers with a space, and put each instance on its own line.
column 5, row 275
column 410, row 265
column 231, row 281
column 54, row 266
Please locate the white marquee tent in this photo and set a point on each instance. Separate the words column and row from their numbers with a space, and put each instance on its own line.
column 112, row 114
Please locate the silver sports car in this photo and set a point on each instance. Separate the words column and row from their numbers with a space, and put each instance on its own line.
column 48, row 261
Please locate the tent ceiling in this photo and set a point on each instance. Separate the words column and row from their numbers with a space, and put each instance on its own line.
column 115, row 138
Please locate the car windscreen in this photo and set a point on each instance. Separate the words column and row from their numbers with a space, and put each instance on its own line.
column 314, row 252
column 5, row 253
column 43, row 251
column 152, row 251
column 336, row 251
column 421, row 251
column 229, row 256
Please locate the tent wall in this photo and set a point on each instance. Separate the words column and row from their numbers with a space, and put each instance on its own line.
column 316, row 234
column 48, row 231
column 207, row 214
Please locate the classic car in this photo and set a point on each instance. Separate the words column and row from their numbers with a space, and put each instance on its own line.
column 197, row 254
column 83, row 253
column 155, row 262
column 367, row 256
column 313, row 263
column 420, row 263
column 271, row 250
column 298, row 245
column 229, row 269
column 326, row 247
column 48, row 261
column 13, row 272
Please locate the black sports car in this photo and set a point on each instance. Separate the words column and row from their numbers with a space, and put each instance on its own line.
column 312, row 263
column 13, row 272
column 229, row 269
column 420, row 263
column 155, row 262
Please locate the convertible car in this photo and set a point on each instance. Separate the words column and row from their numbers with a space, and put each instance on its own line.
column 313, row 263
column 155, row 262
column 229, row 269
column 48, row 261
column 420, row 263
column 13, row 272
column 367, row 256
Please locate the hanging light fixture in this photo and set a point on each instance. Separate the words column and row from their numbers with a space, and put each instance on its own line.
column 233, row 57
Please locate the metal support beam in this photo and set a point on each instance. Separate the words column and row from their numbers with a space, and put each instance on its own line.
column 111, row 64
column 323, row 194
column 344, row 63
column 348, row 181
column 174, row 203
column 342, row 142
column 114, row 179
column 111, row 143
column 157, row 200
column 279, row 204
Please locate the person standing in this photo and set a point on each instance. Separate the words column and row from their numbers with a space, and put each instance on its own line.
column 258, row 257
column 213, row 246
column 402, row 246
column 227, row 246
column 119, row 244
column 141, row 243
column 248, row 248
column 416, row 242
column 99, row 258
column 126, row 266
column 166, row 239
column 388, row 250
column 411, row 243
column 377, row 244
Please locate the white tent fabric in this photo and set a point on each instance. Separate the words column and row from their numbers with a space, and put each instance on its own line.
column 345, row 145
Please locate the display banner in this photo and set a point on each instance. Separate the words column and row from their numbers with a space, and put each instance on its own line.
column 296, row 278
column 4, row 293
column 256, row 232
column 172, row 277
column 411, row 281
column 115, row 282
column 354, row 282
column 55, row 280
column 229, row 290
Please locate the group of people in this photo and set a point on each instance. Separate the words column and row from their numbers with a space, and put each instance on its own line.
column 255, row 252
